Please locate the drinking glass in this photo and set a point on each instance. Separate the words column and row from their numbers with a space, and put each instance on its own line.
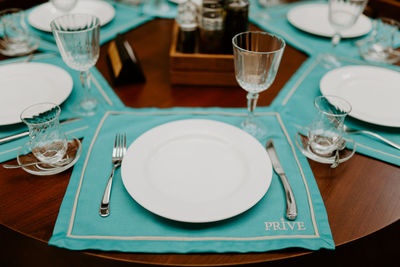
column 325, row 134
column 382, row 43
column 342, row 15
column 77, row 38
column 47, row 140
column 16, row 39
column 64, row 6
column 257, row 56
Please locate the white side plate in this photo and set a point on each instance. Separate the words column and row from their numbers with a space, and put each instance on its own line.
column 313, row 18
column 25, row 84
column 373, row 92
column 196, row 170
column 41, row 16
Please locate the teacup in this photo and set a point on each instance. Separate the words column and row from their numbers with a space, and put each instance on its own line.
column 16, row 39
column 325, row 134
column 47, row 140
column 381, row 45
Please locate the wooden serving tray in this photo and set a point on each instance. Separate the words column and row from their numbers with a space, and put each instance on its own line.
column 200, row 69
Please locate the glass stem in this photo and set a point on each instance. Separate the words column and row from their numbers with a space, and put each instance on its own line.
column 336, row 39
column 85, row 80
column 251, row 105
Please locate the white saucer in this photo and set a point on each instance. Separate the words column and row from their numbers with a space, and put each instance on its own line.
column 25, row 157
column 306, row 150
column 41, row 16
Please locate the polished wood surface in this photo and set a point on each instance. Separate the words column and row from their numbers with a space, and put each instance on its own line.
column 361, row 196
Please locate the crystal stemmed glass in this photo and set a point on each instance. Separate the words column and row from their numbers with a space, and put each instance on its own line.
column 342, row 14
column 77, row 38
column 257, row 56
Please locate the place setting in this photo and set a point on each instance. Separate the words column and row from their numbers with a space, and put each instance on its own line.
column 114, row 17
column 49, row 78
column 369, row 125
column 310, row 27
column 196, row 179
column 188, row 175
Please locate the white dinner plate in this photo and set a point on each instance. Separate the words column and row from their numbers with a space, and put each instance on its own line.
column 196, row 170
column 41, row 16
column 373, row 92
column 313, row 18
column 25, row 84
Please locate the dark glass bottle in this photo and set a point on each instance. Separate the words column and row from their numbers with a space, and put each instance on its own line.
column 211, row 27
column 188, row 27
column 236, row 21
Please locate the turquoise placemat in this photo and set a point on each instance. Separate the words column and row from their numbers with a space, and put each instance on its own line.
column 164, row 9
column 296, row 104
column 131, row 228
column 100, row 88
column 273, row 19
column 126, row 18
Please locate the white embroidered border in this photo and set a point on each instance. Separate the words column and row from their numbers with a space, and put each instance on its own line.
column 163, row 238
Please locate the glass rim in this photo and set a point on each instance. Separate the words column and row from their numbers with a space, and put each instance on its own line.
column 283, row 43
column 37, row 104
column 53, row 28
column 327, row 97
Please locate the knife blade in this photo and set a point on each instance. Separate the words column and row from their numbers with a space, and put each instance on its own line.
column 291, row 207
column 25, row 133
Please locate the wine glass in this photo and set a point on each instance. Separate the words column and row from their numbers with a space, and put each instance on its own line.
column 64, row 6
column 77, row 38
column 342, row 14
column 257, row 56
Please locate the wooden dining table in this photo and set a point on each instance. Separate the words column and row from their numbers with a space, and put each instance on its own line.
column 361, row 196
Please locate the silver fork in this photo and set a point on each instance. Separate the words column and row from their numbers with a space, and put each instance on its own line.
column 353, row 131
column 117, row 156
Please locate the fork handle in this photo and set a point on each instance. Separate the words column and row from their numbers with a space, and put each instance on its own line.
column 382, row 139
column 105, row 201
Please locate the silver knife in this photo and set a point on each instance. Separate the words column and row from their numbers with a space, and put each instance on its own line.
column 291, row 207
column 20, row 135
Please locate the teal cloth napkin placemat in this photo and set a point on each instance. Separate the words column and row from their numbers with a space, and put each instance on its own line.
column 100, row 88
column 126, row 18
column 131, row 228
column 274, row 19
column 295, row 102
column 165, row 9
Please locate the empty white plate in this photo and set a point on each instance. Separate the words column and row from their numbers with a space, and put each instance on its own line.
column 25, row 84
column 373, row 92
column 196, row 170
column 313, row 18
column 41, row 16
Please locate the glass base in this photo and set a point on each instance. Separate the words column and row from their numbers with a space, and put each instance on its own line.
column 334, row 159
column 254, row 128
column 330, row 61
column 25, row 157
column 14, row 50
column 87, row 107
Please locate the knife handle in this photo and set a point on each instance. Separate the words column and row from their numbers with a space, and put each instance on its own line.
column 291, row 207
column 13, row 137
column 25, row 133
